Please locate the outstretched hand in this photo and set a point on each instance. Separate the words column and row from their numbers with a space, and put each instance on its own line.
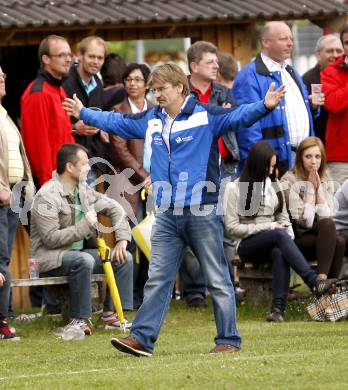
column 273, row 97
column 73, row 106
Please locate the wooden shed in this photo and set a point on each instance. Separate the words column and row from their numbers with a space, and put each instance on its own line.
column 226, row 23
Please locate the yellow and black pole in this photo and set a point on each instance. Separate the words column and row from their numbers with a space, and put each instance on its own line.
column 105, row 256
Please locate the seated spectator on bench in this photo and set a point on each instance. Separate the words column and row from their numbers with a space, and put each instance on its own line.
column 310, row 201
column 64, row 216
column 255, row 213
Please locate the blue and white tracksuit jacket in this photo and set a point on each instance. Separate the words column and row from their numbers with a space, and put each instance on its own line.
column 187, row 173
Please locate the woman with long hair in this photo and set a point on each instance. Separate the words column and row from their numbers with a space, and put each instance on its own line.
column 310, row 200
column 255, row 213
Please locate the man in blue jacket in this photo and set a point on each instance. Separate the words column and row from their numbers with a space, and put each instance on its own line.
column 185, row 172
column 291, row 121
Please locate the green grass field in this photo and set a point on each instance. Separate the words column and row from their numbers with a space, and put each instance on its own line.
column 297, row 354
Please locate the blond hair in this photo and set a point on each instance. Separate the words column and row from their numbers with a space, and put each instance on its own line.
column 169, row 73
column 83, row 45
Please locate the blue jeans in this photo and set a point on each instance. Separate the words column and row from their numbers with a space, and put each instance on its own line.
column 170, row 235
column 8, row 228
column 79, row 266
column 284, row 254
column 192, row 278
column 5, row 293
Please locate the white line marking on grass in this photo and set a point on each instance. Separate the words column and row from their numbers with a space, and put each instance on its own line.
column 169, row 364
column 46, row 374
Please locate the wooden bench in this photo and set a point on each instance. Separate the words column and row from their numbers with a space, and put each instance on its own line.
column 257, row 280
column 62, row 293
column 49, row 281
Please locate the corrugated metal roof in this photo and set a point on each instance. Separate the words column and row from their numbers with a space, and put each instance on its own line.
column 40, row 13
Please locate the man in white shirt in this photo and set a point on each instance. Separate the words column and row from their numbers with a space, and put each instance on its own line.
column 291, row 121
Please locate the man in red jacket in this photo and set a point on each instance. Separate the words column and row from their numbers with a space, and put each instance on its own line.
column 335, row 87
column 45, row 125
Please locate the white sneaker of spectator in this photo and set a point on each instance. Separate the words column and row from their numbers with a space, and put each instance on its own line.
column 112, row 322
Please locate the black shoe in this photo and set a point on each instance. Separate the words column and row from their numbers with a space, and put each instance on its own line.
column 323, row 286
column 275, row 316
column 197, row 302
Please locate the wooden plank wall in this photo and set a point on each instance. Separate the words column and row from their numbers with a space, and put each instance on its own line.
column 234, row 39
column 19, row 268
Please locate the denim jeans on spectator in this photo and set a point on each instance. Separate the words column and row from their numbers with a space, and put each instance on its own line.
column 79, row 266
column 8, row 228
column 284, row 254
column 170, row 235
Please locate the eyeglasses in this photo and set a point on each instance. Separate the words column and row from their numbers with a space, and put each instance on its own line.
column 332, row 51
column 159, row 89
column 3, row 76
column 62, row 56
column 137, row 80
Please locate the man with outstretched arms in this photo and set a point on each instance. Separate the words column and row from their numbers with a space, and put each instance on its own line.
column 185, row 172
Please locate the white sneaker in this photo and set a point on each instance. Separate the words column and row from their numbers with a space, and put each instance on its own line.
column 80, row 324
column 112, row 322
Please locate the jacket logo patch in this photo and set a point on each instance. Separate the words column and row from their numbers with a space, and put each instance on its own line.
column 157, row 140
column 178, row 140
